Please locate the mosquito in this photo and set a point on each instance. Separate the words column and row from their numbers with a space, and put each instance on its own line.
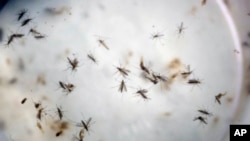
column 59, row 112
column 73, row 63
column 154, row 80
column 122, row 87
column 24, row 100
column 143, row 68
column 103, row 44
column 218, row 97
column 160, row 77
column 34, row 32
column 142, row 93
column 157, row 35
column 26, row 21
column 205, row 112
column 14, row 36
column 181, row 28
column 92, row 58
column 59, row 133
column 39, row 113
column 201, row 119
column 85, row 125
column 39, row 126
column 123, row 71
column 188, row 72
column 21, row 14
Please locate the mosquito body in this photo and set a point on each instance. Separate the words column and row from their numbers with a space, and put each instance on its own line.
column 218, row 97
column 21, row 14
column 123, row 71
column 73, row 63
column 201, row 119
column 122, row 87
column 26, row 21
column 205, row 112
column 24, row 100
column 143, row 68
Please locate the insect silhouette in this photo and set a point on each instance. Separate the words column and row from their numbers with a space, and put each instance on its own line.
column 34, row 32
column 101, row 42
column 14, row 36
column 73, row 63
column 123, row 71
column 59, row 112
column 142, row 93
column 24, row 100
column 39, row 113
column 21, row 14
column 39, row 36
column 26, row 21
column 67, row 87
column 187, row 73
column 85, row 125
column 181, row 28
column 205, row 112
column 59, row 133
column 122, row 87
column 92, row 58
column 154, row 80
column 157, row 35
column 160, row 77
column 39, row 126
column 143, row 68
column 201, row 119
column 194, row 81
column 218, row 97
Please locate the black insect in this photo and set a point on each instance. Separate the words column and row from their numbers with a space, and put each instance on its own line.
column 160, row 77
column 157, row 35
column 142, row 93
column 39, row 113
column 59, row 133
column 26, row 21
column 154, row 80
column 37, row 104
column 123, row 71
column 59, row 112
column 24, row 100
column 21, row 14
column 122, row 87
column 194, row 81
column 103, row 44
column 92, row 58
column 187, row 73
column 39, row 36
column 218, row 97
column 181, row 28
column 85, row 125
column 34, row 31
column 143, row 68
column 73, row 63
column 201, row 119
column 205, row 112
column 14, row 36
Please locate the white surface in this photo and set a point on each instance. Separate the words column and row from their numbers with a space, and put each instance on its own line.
column 206, row 45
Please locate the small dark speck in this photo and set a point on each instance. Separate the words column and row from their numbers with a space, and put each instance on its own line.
column 13, row 80
column 246, row 44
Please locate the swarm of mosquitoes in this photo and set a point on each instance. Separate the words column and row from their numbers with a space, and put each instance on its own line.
column 147, row 74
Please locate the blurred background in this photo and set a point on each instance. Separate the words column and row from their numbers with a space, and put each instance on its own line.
column 73, row 70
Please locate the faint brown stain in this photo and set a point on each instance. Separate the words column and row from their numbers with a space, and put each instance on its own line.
column 40, row 80
column 175, row 64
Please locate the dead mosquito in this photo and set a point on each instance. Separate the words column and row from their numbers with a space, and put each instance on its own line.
column 181, row 28
column 26, row 21
column 187, row 72
column 24, row 100
column 143, row 68
column 122, row 87
column 157, row 35
column 73, row 63
column 92, row 58
column 39, row 36
column 39, row 126
column 59, row 112
column 85, row 125
column 218, row 97
column 39, row 113
column 160, row 77
column 154, row 80
column 101, row 42
column 123, row 71
column 14, row 36
column 34, row 32
column 142, row 93
column 194, row 81
column 21, row 14
column 205, row 112
column 59, row 133
column 201, row 119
